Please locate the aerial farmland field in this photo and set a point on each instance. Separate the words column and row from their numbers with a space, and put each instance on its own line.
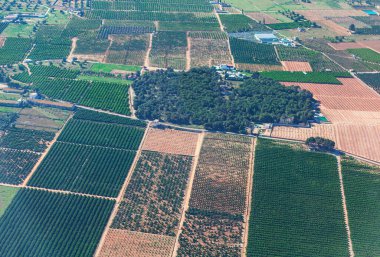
column 164, row 128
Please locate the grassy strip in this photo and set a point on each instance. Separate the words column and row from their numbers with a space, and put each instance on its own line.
column 107, row 67
column 301, row 77
column 105, row 79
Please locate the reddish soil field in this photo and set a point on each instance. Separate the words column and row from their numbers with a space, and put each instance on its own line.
column 261, row 17
column 317, row 15
column 349, row 103
column 296, row 66
column 361, row 140
column 371, row 44
column 326, row 131
column 357, row 117
column 339, row 30
column 350, row 87
column 132, row 244
column 171, row 141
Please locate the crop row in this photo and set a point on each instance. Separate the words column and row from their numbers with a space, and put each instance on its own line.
column 296, row 203
column 73, row 224
column 229, row 162
column 371, row 79
column 84, row 169
column 151, row 16
column 101, row 134
column 15, row 165
column 26, row 139
column 123, row 30
column 362, row 188
column 43, row 51
column 14, row 50
column 161, row 178
column 250, row 52
column 83, row 114
column 53, row 71
column 210, row 234
column 240, row 23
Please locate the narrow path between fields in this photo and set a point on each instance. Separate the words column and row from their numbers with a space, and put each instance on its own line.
column 186, row 200
column 106, row 54
column 121, row 194
column 188, row 52
column 131, row 98
column 147, row 62
column 73, row 47
column 350, row 247
column 249, row 197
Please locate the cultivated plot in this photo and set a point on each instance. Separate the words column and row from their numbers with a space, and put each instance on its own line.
column 153, row 200
column 131, row 244
column 171, row 141
column 296, row 203
column 73, row 224
column 362, row 190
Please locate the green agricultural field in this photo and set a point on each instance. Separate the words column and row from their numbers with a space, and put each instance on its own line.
column 84, row 169
column 311, row 77
column 366, row 54
column 102, row 134
column 6, row 196
column 108, row 67
column 296, row 203
column 83, row 114
column 105, row 79
column 46, row 224
column 362, row 189
column 18, row 30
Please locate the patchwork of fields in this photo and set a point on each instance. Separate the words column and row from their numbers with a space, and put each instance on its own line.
column 82, row 174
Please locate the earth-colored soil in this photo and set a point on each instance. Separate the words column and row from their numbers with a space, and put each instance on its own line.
column 136, row 244
column 171, row 141
column 296, row 66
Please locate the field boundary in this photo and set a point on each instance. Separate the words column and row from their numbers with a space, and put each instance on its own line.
column 188, row 192
column 44, row 154
column 345, row 211
column 120, row 196
column 249, row 197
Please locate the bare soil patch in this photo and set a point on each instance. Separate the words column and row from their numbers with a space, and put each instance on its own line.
column 132, row 244
column 171, row 141
column 296, row 66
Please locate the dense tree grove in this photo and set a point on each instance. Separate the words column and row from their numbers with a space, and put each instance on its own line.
column 201, row 97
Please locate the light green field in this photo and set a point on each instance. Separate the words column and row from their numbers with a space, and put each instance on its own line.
column 18, row 30
column 366, row 54
column 108, row 67
column 4, row 96
column 105, row 79
column 57, row 18
column 275, row 5
column 6, row 196
column 9, row 109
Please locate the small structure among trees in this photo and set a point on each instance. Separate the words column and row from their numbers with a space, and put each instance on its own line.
column 320, row 144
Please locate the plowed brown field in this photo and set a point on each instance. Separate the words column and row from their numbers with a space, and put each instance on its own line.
column 296, row 66
column 135, row 244
column 345, row 45
column 171, row 141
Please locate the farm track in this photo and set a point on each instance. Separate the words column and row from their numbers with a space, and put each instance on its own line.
column 346, row 220
column 120, row 196
column 131, row 94
column 73, row 47
column 249, row 197
column 188, row 52
column 43, row 155
column 146, row 61
column 188, row 192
